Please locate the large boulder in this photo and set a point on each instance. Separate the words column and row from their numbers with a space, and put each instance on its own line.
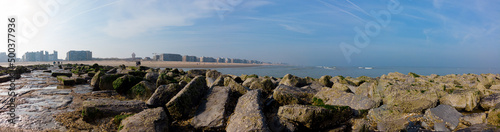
column 249, row 81
column 137, row 73
column 149, row 120
column 248, row 115
column 106, row 81
column 443, row 114
column 235, row 86
column 99, row 108
column 285, row 95
column 278, row 124
column 164, row 79
column 212, row 110
column 387, row 119
column 183, row 103
column 365, row 89
column 163, row 94
column 142, row 90
column 315, row 117
column 480, row 128
column 474, row 118
column 124, row 83
column 337, row 97
column 219, row 81
column 462, row 99
column 494, row 116
column 341, row 87
column 325, row 80
column 96, row 79
column 411, row 101
column 66, row 81
column 293, row 81
column 68, row 74
column 490, row 101
column 266, row 85
column 196, row 72
column 212, row 75
column 152, row 76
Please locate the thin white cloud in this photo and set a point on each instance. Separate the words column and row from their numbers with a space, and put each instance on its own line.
column 131, row 18
column 136, row 17
column 295, row 28
column 87, row 11
column 342, row 10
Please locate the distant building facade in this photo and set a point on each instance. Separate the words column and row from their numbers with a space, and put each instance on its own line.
column 40, row 56
column 187, row 58
column 3, row 57
column 207, row 59
column 78, row 55
column 170, row 57
column 221, row 60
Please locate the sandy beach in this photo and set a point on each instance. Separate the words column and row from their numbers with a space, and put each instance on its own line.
column 159, row 64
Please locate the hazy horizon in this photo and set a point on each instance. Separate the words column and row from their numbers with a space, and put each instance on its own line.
column 427, row 33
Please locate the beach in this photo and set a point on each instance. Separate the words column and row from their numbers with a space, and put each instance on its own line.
column 154, row 64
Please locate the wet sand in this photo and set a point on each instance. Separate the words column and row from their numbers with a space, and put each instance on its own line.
column 158, row 64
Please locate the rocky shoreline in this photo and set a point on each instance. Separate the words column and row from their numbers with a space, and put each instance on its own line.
column 127, row 98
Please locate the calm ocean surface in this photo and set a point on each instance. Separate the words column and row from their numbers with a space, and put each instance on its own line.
column 317, row 72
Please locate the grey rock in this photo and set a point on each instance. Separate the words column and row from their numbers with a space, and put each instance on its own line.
column 315, row 117
column 282, row 125
column 410, row 101
column 219, row 81
column 266, row 85
column 106, row 81
column 474, row 118
column 183, row 103
column 248, row 115
column 211, row 76
column 285, row 95
column 249, row 81
column 162, row 95
column 112, row 71
column 212, row 110
column 293, row 81
column 443, row 113
column 336, row 97
column 95, row 80
column 490, row 101
column 480, row 128
column 196, row 72
column 98, row 108
column 141, row 91
column 462, row 99
column 149, row 120
column 68, row 74
column 440, row 127
column 325, row 80
column 235, row 86
column 152, row 76
column 387, row 119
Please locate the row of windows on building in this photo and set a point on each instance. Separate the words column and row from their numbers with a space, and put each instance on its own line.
column 187, row 58
column 45, row 56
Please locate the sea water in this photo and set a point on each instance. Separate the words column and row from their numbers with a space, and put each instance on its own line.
column 318, row 71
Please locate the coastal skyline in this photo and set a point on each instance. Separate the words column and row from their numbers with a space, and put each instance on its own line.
column 430, row 33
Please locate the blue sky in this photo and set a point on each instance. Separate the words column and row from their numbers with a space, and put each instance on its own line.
column 425, row 33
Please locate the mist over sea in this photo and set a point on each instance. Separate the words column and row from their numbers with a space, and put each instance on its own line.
column 317, row 71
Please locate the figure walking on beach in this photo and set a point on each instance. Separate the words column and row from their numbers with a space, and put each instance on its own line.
column 138, row 63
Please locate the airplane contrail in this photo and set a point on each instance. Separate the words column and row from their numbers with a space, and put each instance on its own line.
column 358, row 8
column 83, row 12
column 342, row 10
